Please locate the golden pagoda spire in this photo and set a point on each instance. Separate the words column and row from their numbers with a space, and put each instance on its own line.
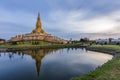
column 38, row 28
column 38, row 24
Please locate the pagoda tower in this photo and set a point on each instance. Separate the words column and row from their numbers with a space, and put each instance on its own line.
column 38, row 29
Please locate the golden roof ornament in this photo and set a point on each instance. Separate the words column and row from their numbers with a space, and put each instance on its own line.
column 38, row 29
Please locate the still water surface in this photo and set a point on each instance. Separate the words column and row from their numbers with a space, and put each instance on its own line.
column 49, row 64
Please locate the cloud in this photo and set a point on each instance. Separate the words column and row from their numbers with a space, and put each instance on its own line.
column 61, row 23
column 101, row 6
column 17, row 17
column 60, row 17
column 79, row 22
column 14, row 23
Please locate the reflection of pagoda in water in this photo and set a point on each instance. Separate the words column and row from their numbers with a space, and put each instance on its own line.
column 38, row 55
column 38, row 34
column 35, row 54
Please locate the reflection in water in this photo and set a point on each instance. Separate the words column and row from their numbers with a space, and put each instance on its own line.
column 36, row 54
column 51, row 64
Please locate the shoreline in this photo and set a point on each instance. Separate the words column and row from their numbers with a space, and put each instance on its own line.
column 103, row 72
column 100, row 73
column 19, row 48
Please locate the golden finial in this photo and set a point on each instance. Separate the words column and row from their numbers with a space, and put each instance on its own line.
column 38, row 16
column 38, row 28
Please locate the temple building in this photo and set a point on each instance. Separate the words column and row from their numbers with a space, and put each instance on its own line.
column 38, row 34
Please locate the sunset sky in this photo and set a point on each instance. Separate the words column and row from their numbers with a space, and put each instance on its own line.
column 63, row 18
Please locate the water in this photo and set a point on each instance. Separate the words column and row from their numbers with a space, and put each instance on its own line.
column 49, row 64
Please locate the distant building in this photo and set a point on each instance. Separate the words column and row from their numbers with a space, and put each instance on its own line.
column 108, row 40
column 2, row 41
column 115, row 40
column 102, row 41
column 38, row 34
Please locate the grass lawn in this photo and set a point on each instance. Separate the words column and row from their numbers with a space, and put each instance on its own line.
column 109, row 71
column 22, row 46
column 114, row 48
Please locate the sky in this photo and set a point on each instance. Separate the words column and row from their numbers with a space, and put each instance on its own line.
column 63, row 18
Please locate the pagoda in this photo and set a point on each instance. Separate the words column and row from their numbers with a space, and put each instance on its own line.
column 38, row 34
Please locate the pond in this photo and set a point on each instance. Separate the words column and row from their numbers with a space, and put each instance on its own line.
column 49, row 64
